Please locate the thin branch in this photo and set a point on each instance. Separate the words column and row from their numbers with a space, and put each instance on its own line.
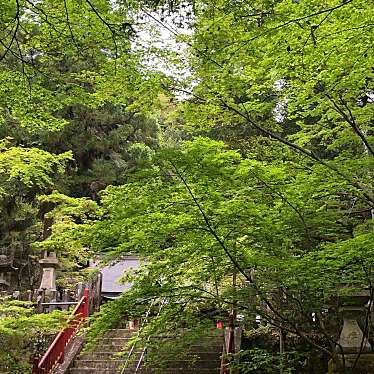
column 14, row 36
column 347, row 29
column 109, row 26
column 69, row 26
column 294, row 326
column 333, row 343
column 349, row 118
column 175, row 33
column 166, row 27
column 294, row 20
column 305, row 152
column 296, row 210
column 269, row 318
column 309, row 154
column 312, row 35
column 314, row 29
column 356, row 128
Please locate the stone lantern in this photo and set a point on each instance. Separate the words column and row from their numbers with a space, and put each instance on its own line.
column 49, row 264
column 351, row 339
column 353, row 348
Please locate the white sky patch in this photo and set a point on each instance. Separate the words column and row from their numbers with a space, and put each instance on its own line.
column 280, row 110
column 161, row 37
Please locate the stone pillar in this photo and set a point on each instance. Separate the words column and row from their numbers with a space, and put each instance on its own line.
column 65, row 298
column 79, row 290
column 52, row 295
column 39, row 300
column 49, row 264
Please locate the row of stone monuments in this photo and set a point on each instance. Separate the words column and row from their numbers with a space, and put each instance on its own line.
column 51, row 298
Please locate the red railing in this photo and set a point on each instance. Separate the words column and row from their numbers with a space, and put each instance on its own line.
column 56, row 351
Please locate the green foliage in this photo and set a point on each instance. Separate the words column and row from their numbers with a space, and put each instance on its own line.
column 33, row 111
column 74, row 98
column 306, row 61
column 70, row 220
column 29, row 170
column 25, row 173
column 24, row 334
column 260, row 361
column 287, row 88
column 203, row 213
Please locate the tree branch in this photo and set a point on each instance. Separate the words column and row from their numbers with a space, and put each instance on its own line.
column 309, row 154
column 349, row 118
column 14, row 36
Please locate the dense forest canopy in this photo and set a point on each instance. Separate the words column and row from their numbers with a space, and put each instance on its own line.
column 244, row 181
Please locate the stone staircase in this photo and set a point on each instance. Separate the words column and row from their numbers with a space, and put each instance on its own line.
column 104, row 358
column 202, row 358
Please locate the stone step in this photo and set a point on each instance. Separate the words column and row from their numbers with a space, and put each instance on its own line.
column 206, row 355
column 93, row 371
column 196, row 348
column 90, row 370
column 98, row 364
column 203, row 357
column 200, row 343
column 192, row 350
column 112, row 344
column 119, row 333
column 113, row 340
column 106, row 355
column 204, row 349
column 110, row 348
column 178, row 371
column 215, row 334
column 189, row 364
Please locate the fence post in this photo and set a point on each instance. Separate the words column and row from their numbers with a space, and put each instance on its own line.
column 35, row 362
column 86, row 303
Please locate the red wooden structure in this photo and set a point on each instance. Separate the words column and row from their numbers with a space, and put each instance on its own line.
column 56, row 351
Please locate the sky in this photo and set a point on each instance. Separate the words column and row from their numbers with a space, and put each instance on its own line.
column 162, row 33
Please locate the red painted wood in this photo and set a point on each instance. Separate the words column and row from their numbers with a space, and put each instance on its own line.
column 55, row 352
